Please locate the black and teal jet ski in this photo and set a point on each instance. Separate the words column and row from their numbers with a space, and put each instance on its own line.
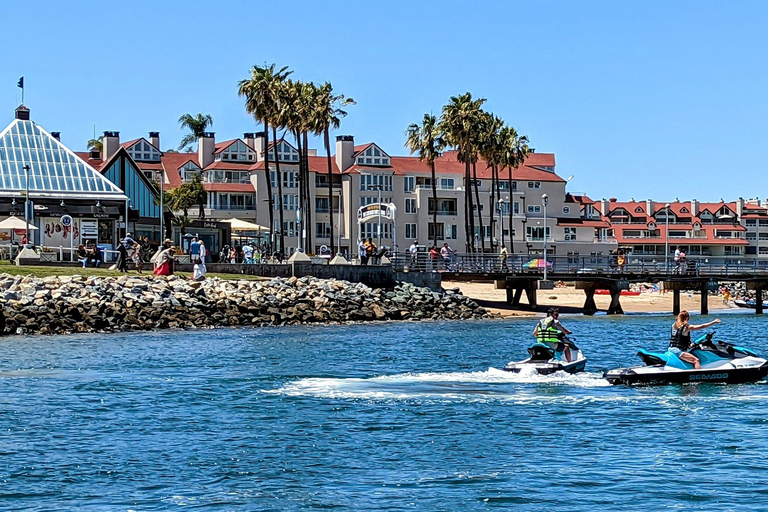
column 720, row 362
column 546, row 360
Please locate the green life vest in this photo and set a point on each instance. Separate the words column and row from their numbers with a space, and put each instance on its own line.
column 547, row 332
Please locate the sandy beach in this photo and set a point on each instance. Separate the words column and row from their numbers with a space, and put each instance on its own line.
column 570, row 300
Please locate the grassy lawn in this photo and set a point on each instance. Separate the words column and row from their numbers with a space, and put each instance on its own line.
column 44, row 271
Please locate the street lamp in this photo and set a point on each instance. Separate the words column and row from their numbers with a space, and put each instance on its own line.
column 666, row 241
column 378, row 187
column 501, row 220
column 26, row 205
column 544, row 199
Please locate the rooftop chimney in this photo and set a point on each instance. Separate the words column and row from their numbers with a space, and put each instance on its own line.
column 345, row 148
column 22, row 113
column 650, row 207
column 56, row 135
column 739, row 207
column 110, row 143
column 206, row 145
column 604, row 209
column 154, row 139
column 694, row 207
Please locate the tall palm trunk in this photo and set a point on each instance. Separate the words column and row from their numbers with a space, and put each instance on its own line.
column 305, row 138
column 271, row 202
column 511, row 216
column 493, row 194
column 434, row 201
column 327, row 141
column 470, row 207
column 279, row 189
column 479, row 205
column 302, row 191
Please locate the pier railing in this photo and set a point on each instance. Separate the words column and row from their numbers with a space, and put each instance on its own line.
column 583, row 265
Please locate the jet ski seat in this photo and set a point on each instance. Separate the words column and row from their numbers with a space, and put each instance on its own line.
column 540, row 352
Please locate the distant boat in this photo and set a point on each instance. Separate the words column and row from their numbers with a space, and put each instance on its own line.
column 623, row 292
column 751, row 303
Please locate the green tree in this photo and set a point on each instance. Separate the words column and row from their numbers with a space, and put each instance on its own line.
column 261, row 92
column 460, row 122
column 514, row 151
column 327, row 113
column 427, row 141
column 197, row 125
column 96, row 144
column 186, row 196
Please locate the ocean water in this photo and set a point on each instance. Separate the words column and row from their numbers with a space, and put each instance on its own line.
column 394, row 416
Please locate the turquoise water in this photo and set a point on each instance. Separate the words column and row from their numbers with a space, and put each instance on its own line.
column 400, row 416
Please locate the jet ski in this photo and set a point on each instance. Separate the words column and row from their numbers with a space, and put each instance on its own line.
column 546, row 360
column 720, row 362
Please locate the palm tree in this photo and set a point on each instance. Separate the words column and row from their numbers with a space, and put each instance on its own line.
column 490, row 150
column 514, row 151
column 427, row 140
column 197, row 125
column 96, row 144
column 460, row 124
column 261, row 102
column 327, row 114
column 293, row 115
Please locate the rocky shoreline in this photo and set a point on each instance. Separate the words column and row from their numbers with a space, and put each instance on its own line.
column 66, row 304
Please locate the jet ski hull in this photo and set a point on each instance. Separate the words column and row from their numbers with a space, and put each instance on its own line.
column 547, row 367
column 657, row 374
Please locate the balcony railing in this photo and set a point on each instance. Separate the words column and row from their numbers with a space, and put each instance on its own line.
column 444, row 212
column 325, row 209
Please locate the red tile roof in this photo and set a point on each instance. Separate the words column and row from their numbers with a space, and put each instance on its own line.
column 221, row 146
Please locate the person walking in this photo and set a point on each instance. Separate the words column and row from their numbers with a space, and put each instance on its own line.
column 503, row 258
column 413, row 250
column 138, row 255
column 122, row 257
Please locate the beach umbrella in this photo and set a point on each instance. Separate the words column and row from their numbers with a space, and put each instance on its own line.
column 537, row 263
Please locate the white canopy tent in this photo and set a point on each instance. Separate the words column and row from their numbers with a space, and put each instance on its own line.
column 244, row 225
column 12, row 223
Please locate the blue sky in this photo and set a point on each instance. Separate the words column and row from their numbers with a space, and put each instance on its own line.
column 636, row 99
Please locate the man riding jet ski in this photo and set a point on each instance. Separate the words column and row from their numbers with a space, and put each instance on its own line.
column 703, row 361
column 553, row 351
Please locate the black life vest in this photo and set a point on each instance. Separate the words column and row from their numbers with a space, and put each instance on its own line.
column 680, row 340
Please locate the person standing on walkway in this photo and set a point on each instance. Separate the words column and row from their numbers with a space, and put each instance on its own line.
column 503, row 258
column 447, row 253
column 138, row 254
column 122, row 257
column 362, row 251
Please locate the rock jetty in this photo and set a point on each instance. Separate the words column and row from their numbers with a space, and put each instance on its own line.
column 54, row 305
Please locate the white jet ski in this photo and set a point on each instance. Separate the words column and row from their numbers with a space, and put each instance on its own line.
column 546, row 360
column 720, row 362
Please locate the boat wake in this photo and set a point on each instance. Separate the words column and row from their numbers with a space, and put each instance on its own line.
column 493, row 383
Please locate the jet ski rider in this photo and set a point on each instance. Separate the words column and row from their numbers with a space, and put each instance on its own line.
column 680, row 338
column 549, row 331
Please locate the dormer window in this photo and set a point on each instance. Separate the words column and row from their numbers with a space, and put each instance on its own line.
column 639, row 209
column 188, row 172
column 143, row 151
column 285, row 152
column 684, row 210
column 373, row 155
column 238, row 152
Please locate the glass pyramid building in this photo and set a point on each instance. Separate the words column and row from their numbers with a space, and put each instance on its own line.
column 54, row 170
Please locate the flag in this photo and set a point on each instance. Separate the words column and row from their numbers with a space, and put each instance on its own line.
column 20, row 83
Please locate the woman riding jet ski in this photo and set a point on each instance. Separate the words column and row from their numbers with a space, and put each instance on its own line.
column 704, row 361
column 552, row 352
